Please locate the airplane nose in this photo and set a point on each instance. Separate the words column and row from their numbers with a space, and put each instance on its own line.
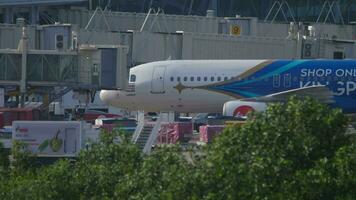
column 107, row 96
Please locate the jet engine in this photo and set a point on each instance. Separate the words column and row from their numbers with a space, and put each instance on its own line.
column 242, row 108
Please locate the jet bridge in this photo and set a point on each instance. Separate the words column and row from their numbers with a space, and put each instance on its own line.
column 48, row 73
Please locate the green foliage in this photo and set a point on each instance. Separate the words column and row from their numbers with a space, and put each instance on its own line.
column 4, row 158
column 4, row 163
column 53, row 182
column 104, row 165
column 22, row 158
column 275, row 154
column 165, row 174
column 297, row 150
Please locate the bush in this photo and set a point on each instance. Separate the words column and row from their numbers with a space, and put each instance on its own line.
column 297, row 150
column 268, row 156
column 4, row 158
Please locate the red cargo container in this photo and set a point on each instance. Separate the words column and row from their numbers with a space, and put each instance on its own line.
column 208, row 132
column 171, row 133
column 13, row 114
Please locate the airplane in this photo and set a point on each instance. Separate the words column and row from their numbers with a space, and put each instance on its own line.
column 234, row 87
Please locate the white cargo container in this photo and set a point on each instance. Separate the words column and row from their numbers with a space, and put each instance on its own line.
column 52, row 138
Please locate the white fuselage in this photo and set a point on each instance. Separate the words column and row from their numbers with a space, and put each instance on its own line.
column 172, row 85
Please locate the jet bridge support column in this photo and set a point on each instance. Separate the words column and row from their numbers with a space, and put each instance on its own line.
column 122, row 71
column 34, row 15
column 23, row 48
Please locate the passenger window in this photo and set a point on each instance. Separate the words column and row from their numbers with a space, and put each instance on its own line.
column 219, row 78
column 133, row 78
column 198, row 78
column 212, row 78
column 276, row 80
column 205, row 78
column 185, row 78
column 172, row 78
column 287, row 80
column 192, row 78
column 178, row 78
column 225, row 78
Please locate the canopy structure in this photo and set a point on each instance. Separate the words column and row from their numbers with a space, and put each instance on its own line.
column 38, row 2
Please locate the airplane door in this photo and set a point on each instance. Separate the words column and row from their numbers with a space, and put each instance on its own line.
column 157, row 85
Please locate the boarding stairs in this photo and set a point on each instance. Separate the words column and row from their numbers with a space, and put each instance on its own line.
column 144, row 136
column 146, row 133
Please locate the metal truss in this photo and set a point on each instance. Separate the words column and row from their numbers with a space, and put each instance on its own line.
column 10, row 67
column 329, row 7
column 281, row 6
column 52, row 68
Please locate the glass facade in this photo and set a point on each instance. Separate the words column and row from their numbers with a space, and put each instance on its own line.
column 303, row 10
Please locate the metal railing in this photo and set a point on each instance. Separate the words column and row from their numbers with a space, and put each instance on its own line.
column 153, row 136
column 140, row 125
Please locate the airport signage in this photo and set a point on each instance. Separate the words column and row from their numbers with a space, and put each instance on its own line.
column 235, row 30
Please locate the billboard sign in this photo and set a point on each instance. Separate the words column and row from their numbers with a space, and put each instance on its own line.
column 49, row 138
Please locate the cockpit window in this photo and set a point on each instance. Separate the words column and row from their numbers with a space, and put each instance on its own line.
column 133, row 78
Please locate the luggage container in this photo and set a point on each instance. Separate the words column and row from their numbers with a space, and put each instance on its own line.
column 11, row 114
column 208, row 132
column 171, row 133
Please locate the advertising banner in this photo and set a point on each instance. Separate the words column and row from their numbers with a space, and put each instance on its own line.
column 49, row 138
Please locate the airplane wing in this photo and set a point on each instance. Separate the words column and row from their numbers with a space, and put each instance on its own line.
column 318, row 92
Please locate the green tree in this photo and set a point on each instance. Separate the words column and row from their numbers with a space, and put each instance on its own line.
column 48, row 182
column 4, row 167
column 265, row 158
column 296, row 150
column 164, row 174
column 23, row 160
column 4, row 158
column 105, row 165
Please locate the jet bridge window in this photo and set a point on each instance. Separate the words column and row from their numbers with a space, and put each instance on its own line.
column 133, row 78
column 276, row 80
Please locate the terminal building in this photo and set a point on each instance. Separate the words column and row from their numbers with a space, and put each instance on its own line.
column 45, row 11
column 56, row 55
column 49, row 47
